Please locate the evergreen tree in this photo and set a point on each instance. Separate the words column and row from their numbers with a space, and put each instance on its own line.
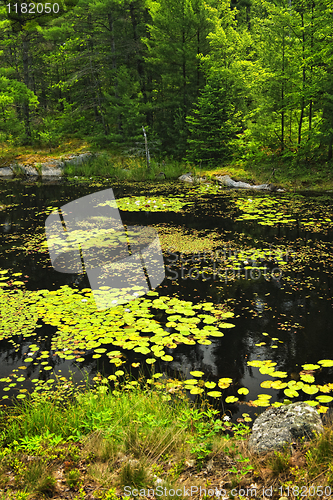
column 178, row 34
column 214, row 124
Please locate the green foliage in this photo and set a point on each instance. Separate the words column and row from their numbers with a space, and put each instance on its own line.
column 214, row 125
column 49, row 135
column 280, row 462
column 111, row 494
column 204, row 426
column 239, row 473
column 73, row 478
column 215, row 80
column 319, row 456
column 13, row 95
column 34, row 443
column 177, row 35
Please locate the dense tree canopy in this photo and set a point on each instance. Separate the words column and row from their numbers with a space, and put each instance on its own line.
column 205, row 78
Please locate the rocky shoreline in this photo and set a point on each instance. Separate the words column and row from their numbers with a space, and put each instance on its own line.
column 50, row 169
column 226, row 181
column 54, row 168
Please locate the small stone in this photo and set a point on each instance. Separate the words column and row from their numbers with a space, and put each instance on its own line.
column 186, row 177
column 190, row 463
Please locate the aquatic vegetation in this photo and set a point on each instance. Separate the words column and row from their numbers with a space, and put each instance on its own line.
column 81, row 328
column 269, row 211
column 16, row 317
column 149, row 204
column 152, row 327
column 292, row 388
column 188, row 241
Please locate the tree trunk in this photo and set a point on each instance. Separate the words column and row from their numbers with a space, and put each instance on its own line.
column 311, row 69
column 282, row 93
column 330, row 149
column 198, row 62
column 184, row 73
column 113, row 44
column 136, row 42
column 25, row 60
column 303, row 84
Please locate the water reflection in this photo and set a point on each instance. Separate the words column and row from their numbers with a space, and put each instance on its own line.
column 295, row 309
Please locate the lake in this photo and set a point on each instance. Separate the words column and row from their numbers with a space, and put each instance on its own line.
column 247, row 295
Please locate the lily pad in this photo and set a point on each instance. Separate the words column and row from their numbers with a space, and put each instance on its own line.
column 214, row 394
column 231, row 399
column 243, row 390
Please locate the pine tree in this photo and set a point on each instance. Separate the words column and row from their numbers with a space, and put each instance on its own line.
column 214, row 124
column 178, row 34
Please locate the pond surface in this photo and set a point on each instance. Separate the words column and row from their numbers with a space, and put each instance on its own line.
column 247, row 295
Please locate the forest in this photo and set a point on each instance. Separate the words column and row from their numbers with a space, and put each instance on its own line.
column 210, row 81
column 229, row 305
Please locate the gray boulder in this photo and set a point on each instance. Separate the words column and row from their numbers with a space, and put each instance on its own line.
column 6, row 172
column 78, row 159
column 52, row 169
column 190, row 178
column 277, row 427
column 226, row 180
column 29, row 170
column 49, row 169
column 186, row 177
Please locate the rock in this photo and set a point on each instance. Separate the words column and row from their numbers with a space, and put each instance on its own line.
column 77, row 160
column 277, row 427
column 52, row 169
column 225, row 180
column 161, row 175
column 55, row 168
column 6, row 172
column 186, row 177
column 190, row 178
column 29, row 170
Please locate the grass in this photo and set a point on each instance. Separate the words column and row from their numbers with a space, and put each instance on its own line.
column 289, row 174
column 122, row 168
column 101, row 440
column 103, row 164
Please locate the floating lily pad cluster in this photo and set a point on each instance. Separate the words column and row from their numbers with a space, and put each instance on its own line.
column 15, row 317
column 81, row 328
column 187, row 241
column 133, row 327
column 292, row 388
column 149, row 204
column 268, row 211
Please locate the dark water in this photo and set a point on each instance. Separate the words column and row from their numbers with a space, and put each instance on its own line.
column 294, row 306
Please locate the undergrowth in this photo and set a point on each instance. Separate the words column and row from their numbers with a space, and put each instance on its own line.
column 107, row 443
